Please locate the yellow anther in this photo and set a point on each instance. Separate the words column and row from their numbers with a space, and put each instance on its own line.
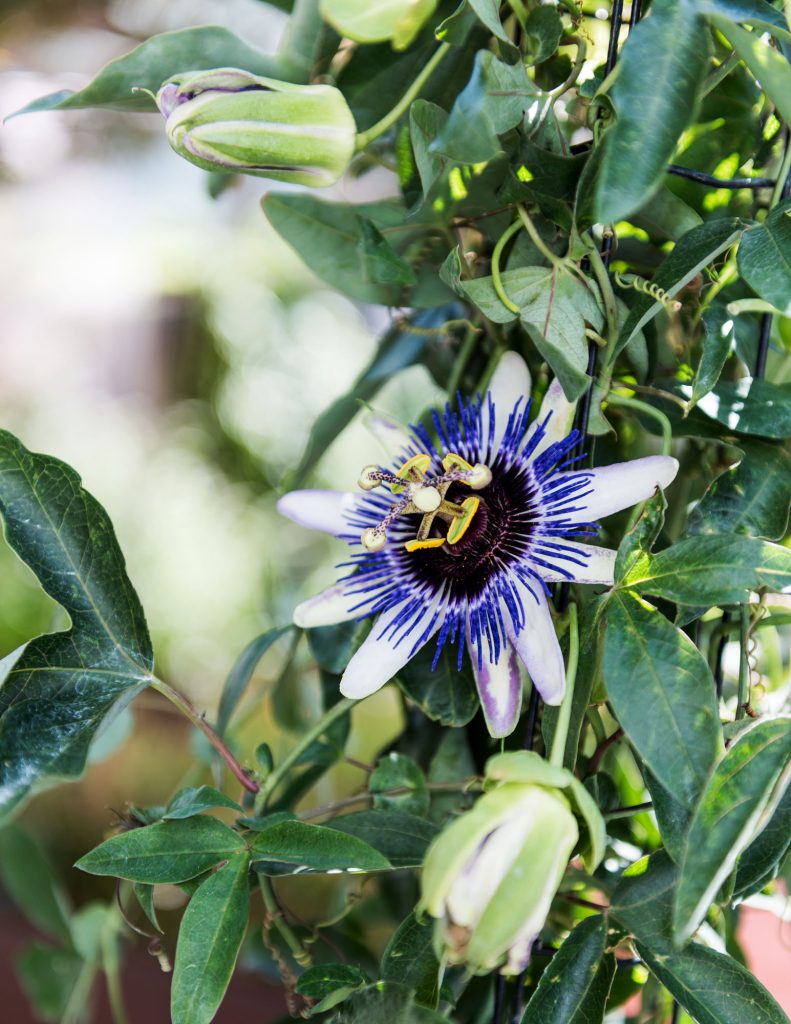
column 427, row 499
column 412, row 471
column 419, row 545
column 373, row 540
column 454, row 461
column 460, row 525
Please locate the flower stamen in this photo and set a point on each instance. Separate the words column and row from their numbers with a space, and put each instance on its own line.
column 425, row 495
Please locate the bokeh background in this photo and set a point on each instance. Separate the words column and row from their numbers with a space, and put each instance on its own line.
column 172, row 349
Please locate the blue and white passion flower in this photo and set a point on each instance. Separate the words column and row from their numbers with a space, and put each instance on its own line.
column 459, row 539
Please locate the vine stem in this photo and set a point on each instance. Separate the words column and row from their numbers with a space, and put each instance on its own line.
column 743, row 697
column 649, row 410
column 272, row 781
column 558, row 752
column 275, row 917
column 367, row 137
column 610, row 305
column 497, row 281
column 188, row 709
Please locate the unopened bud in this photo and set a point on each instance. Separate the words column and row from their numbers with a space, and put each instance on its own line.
column 490, row 877
column 231, row 120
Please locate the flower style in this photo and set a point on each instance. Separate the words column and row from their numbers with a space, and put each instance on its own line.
column 462, row 538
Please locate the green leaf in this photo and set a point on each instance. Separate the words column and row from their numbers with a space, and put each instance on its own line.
column 750, row 406
column 718, row 343
column 190, row 801
column 712, row 987
column 720, row 569
column 673, row 41
column 451, row 762
column 662, row 693
column 554, row 309
column 387, row 1003
column 398, row 771
column 154, row 61
column 144, row 892
column 333, row 646
column 210, row 936
column 696, row 250
column 764, row 856
column 323, row 979
column 409, row 959
column 672, row 816
column 764, row 256
column 329, row 984
column 574, row 987
column 759, row 13
column 58, row 690
column 488, row 12
column 666, row 217
column 768, row 67
column 642, row 536
column 738, row 801
column 751, row 497
column 493, row 101
column 169, row 851
column 426, row 121
column 543, row 30
column 28, row 879
column 48, row 976
column 314, row 848
column 445, row 693
column 330, row 238
column 381, row 265
column 242, row 672
column 402, row 838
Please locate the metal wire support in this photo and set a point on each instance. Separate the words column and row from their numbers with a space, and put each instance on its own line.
column 712, row 182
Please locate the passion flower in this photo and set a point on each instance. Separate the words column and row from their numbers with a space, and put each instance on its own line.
column 461, row 537
column 231, row 120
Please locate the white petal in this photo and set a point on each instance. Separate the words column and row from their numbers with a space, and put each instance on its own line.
column 615, row 487
column 328, row 608
column 386, row 650
column 499, row 688
column 510, row 382
column 561, row 419
column 599, row 565
column 392, row 436
column 537, row 645
column 318, row 510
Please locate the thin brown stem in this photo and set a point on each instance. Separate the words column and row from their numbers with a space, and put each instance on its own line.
column 578, row 901
column 188, row 709
column 601, row 750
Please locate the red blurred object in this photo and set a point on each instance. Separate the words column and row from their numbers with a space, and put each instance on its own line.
column 146, row 988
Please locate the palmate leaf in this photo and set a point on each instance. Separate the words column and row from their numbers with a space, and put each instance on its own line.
column 58, row 689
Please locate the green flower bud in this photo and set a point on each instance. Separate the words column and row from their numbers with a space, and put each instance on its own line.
column 230, row 120
column 373, row 21
column 490, row 877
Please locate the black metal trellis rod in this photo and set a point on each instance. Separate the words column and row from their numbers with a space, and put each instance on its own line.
column 708, row 179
